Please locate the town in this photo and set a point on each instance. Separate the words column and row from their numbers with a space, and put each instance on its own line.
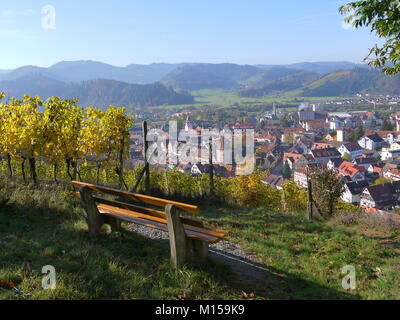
column 361, row 147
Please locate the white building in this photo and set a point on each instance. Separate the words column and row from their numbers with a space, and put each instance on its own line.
column 352, row 191
column 352, row 148
column 371, row 142
column 389, row 154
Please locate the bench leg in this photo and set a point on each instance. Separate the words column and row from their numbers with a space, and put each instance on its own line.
column 177, row 238
column 114, row 223
column 93, row 219
column 200, row 251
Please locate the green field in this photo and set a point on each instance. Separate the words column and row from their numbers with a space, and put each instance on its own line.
column 228, row 99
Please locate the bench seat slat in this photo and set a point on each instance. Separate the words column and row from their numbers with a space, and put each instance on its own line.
column 152, row 212
column 139, row 197
column 152, row 223
column 103, row 208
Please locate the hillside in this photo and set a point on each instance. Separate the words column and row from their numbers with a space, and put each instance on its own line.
column 283, row 84
column 351, row 82
column 65, row 79
column 317, row 67
column 210, row 76
column 268, row 255
column 105, row 92
column 339, row 83
column 96, row 92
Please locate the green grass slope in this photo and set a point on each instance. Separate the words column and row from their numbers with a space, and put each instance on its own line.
column 301, row 259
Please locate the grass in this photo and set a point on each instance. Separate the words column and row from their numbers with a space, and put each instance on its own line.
column 308, row 257
column 302, row 259
column 227, row 99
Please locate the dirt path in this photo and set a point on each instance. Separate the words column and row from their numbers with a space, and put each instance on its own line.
column 247, row 268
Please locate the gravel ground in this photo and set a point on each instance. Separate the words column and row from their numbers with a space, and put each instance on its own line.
column 247, row 267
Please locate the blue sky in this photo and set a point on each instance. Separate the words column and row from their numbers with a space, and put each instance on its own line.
column 121, row 32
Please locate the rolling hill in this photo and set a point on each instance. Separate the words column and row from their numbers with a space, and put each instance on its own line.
column 99, row 92
column 281, row 85
column 162, row 83
column 346, row 83
column 317, row 67
column 211, row 76
column 340, row 83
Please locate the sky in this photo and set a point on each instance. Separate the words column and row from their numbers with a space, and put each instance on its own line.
column 122, row 32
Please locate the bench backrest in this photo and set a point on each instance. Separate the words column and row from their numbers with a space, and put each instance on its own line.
column 138, row 197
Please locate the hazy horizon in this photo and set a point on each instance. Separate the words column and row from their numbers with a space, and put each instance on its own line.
column 173, row 63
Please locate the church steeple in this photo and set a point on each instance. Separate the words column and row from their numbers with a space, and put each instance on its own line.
column 188, row 124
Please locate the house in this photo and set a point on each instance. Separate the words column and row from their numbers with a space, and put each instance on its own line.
column 371, row 142
column 297, row 160
column 323, row 156
column 274, row 181
column 351, row 172
column 316, row 125
column 351, row 148
column 364, row 162
column 390, row 154
column 330, row 137
column 334, row 163
column 303, row 145
column 199, row 169
column 395, row 146
column 352, row 191
column 300, row 178
column 393, row 174
column 335, row 124
column 308, row 115
column 375, row 170
column 382, row 196
column 321, row 145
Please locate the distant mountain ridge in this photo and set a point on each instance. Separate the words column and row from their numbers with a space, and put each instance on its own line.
column 83, row 70
column 77, row 71
column 161, row 83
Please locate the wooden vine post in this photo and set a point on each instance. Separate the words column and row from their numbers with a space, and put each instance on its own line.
column 146, row 161
column 212, row 186
column 309, row 198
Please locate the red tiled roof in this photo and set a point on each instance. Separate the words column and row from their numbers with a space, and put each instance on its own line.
column 350, row 169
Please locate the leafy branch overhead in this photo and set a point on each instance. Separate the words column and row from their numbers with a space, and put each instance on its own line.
column 383, row 18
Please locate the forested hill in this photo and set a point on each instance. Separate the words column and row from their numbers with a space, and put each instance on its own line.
column 99, row 92
column 340, row 83
column 105, row 92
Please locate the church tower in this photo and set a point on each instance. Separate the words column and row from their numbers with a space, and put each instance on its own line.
column 188, row 124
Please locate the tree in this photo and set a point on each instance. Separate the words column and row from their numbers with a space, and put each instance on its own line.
column 383, row 18
column 286, row 171
column 327, row 190
column 383, row 180
column 347, row 157
column 295, row 198
column 284, row 120
column 387, row 125
column 358, row 133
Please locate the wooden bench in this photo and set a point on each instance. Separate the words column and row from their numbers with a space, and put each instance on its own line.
column 189, row 239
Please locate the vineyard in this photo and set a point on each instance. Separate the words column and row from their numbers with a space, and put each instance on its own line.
column 58, row 140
